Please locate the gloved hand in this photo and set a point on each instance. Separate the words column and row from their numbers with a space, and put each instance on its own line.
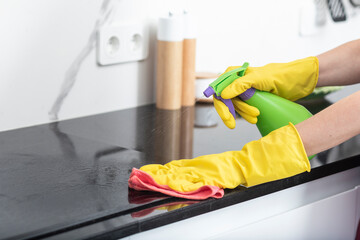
column 278, row 155
column 293, row 80
column 249, row 113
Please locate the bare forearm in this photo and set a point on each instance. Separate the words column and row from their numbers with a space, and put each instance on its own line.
column 332, row 126
column 340, row 66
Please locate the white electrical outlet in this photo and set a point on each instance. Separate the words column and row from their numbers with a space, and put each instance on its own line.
column 122, row 43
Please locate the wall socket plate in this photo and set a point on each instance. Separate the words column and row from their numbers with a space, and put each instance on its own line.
column 119, row 43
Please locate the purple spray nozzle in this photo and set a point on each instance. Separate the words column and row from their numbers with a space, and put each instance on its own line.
column 209, row 91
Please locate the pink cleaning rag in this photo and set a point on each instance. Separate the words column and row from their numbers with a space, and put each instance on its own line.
column 140, row 180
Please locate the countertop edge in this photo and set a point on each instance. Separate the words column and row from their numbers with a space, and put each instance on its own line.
column 229, row 199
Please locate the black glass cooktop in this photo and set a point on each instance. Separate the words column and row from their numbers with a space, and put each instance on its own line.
column 69, row 179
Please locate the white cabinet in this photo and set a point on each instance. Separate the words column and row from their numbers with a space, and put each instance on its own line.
column 331, row 218
column 326, row 208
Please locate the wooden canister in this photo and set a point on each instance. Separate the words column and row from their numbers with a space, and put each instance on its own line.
column 188, row 83
column 189, row 53
column 169, row 62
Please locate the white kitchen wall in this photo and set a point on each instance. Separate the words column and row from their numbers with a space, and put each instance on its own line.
column 41, row 40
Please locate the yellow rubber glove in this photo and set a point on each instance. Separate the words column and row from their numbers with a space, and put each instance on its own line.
column 293, row 80
column 278, row 155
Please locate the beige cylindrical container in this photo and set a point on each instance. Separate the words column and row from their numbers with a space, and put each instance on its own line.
column 189, row 53
column 169, row 62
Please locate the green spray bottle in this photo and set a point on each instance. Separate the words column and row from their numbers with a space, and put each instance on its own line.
column 275, row 111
